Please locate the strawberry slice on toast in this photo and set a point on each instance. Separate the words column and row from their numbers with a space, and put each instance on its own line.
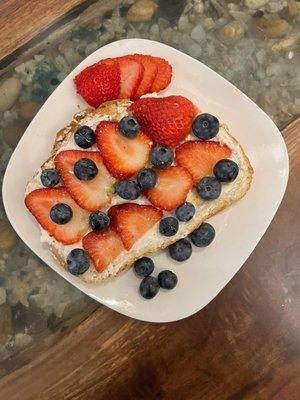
column 40, row 202
column 122, row 156
column 150, row 71
column 199, row 157
column 163, row 76
column 171, row 189
column 131, row 72
column 92, row 194
column 166, row 120
column 132, row 221
column 103, row 247
column 99, row 82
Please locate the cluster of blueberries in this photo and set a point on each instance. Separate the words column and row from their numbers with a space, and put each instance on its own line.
column 205, row 127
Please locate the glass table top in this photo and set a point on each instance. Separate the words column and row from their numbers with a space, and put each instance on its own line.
column 252, row 43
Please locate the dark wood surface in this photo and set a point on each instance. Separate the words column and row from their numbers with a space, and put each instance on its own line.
column 243, row 345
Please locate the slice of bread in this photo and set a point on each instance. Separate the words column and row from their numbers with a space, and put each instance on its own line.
column 152, row 241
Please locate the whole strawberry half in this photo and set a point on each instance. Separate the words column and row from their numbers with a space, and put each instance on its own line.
column 99, row 82
column 166, row 120
column 199, row 157
column 92, row 194
column 132, row 221
column 40, row 201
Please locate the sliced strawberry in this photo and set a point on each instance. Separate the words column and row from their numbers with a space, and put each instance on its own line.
column 163, row 76
column 103, row 247
column 200, row 157
column 39, row 203
column 99, row 82
column 171, row 189
column 90, row 195
column 132, row 221
column 150, row 70
column 131, row 75
column 122, row 156
column 167, row 120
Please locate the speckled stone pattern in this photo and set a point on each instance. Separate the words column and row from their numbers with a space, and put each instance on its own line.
column 252, row 43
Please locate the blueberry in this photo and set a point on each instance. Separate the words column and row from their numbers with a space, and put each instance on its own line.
column 99, row 221
column 84, row 137
column 185, row 212
column 167, row 279
column 129, row 127
column 143, row 267
column 61, row 213
column 161, row 156
column 168, row 226
column 50, row 177
column 209, row 188
column 149, row 287
column 85, row 169
column 205, row 126
column 78, row 261
column 180, row 250
column 204, row 235
column 128, row 190
column 147, row 178
column 226, row 170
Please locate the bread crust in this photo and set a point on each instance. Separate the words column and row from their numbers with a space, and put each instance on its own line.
column 204, row 210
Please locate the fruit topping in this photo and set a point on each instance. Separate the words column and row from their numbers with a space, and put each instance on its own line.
column 226, row 170
column 185, row 212
column 131, row 72
column 50, row 177
column 209, row 188
column 122, row 156
column 85, row 169
column 132, row 221
column 84, row 137
column 129, row 127
column 161, row 156
column 78, row 261
column 150, row 70
column 128, row 190
column 99, row 221
column 147, row 178
column 163, row 75
column 204, row 235
column 143, row 267
column 166, row 120
column 149, row 287
column 199, row 157
column 40, row 202
column 205, row 126
column 171, row 189
column 61, row 213
column 180, row 250
column 99, row 82
column 167, row 279
column 103, row 247
column 168, row 226
column 92, row 194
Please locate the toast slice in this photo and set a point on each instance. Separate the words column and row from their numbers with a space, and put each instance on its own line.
column 152, row 241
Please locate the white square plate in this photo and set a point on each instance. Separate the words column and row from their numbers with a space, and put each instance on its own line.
column 239, row 228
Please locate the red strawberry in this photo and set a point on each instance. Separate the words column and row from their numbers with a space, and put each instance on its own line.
column 132, row 221
column 200, row 157
column 167, row 120
column 171, row 189
column 90, row 195
column 99, row 82
column 163, row 76
column 122, row 156
column 39, row 203
column 150, row 70
column 132, row 73
column 103, row 247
